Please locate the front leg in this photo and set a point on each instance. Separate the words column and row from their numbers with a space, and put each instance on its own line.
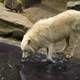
column 50, row 52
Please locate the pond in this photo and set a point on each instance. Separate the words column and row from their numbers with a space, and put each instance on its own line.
column 35, row 67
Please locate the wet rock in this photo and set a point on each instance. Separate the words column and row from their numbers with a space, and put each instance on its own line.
column 41, row 63
column 36, row 58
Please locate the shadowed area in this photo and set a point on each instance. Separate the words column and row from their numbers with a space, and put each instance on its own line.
column 9, row 57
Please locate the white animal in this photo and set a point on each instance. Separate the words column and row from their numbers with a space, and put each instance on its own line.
column 46, row 32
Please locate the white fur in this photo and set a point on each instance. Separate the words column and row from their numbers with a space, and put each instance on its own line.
column 51, row 30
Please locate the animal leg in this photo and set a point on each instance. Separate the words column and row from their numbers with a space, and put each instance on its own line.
column 70, row 50
column 74, row 47
column 66, row 45
column 50, row 52
column 65, row 48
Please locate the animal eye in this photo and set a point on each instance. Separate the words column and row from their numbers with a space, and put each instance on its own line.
column 29, row 41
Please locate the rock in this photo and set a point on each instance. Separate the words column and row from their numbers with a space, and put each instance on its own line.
column 13, row 25
column 14, row 5
column 73, row 5
column 40, row 59
column 16, row 34
column 9, row 3
column 10, row 41
column 15, row 18
column 35, row 58
column 9, row 30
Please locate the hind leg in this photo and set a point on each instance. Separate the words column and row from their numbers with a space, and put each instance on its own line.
column 65, row 48
column 69, row 52
column 74, row 46
column 74, row 40
column 66, row 45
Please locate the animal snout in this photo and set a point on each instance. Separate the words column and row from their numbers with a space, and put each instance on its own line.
column 25, row 54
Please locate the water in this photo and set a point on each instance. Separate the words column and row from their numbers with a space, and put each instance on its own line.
column 37, row 67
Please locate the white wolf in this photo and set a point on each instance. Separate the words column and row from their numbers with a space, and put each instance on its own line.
column 49, row 31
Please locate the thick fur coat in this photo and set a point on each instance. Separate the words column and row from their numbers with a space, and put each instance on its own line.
column 51, row 30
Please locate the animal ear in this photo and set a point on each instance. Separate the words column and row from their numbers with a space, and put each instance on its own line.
column 29, row 41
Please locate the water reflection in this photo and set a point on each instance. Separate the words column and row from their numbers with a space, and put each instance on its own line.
column 39, row 68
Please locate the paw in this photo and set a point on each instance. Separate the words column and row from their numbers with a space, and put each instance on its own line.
column 68, row 56
column 50, row 59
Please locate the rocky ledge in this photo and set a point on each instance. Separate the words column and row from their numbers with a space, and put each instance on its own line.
column 12, row 24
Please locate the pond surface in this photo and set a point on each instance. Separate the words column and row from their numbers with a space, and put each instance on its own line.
column 9, row 57
column 35, row 67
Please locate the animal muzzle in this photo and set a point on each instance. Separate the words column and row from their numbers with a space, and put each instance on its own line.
column 24, row 56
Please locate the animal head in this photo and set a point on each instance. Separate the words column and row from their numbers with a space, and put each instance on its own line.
column 28, row 46
column 32, row 40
